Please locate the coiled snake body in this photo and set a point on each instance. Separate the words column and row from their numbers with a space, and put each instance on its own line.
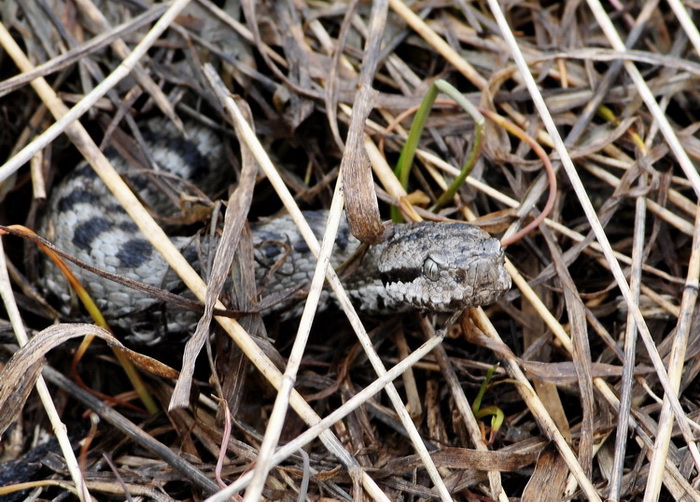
column 433, row 266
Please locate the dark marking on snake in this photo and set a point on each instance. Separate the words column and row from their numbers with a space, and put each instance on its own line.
column 134, row 253
column 77, row 197
column 85, row 233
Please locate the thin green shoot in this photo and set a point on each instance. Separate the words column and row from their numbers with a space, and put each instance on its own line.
column 408, row 152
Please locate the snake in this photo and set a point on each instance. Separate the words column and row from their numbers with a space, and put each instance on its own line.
column 431, row 266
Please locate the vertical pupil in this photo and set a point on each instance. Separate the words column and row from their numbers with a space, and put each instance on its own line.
column 431, row 270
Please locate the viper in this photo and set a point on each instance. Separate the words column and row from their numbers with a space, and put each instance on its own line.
column 427, row 265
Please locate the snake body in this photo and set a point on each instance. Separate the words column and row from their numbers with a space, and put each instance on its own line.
column 431, row 266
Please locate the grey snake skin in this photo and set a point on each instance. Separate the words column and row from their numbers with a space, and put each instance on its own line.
column 429, row 266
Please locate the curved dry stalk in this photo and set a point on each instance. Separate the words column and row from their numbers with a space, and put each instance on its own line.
column 99, row 319
column 41, row 388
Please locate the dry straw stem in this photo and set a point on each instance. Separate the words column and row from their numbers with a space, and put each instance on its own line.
column 77, row 53
column 275, row 425
column 279, row 411
column 87, row 8
column 386, row 176
column 131, row 430
column 64, row 116
column 463, row 405
column 40, row 484
column 59, row 428
column 609, row 156
column 630, row 347
column 689, row 26
column 117, row 489
column 526, row 390
column 438, row 43
column 676, row 364
column 383, row 172
column 268, row 168
column 670, row 388
column 588, row 208
column 244, row 341
column 338, row 414
column 149, row 227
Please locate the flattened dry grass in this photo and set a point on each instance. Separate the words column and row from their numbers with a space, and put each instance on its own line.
column 594, row 352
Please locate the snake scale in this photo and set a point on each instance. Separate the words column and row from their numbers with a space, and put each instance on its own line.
column 429, row 266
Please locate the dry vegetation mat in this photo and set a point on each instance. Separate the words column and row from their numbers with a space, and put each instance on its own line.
column 567, row 130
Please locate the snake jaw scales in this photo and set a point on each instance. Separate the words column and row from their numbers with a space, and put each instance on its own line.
column 430, row 266
column 443, row 267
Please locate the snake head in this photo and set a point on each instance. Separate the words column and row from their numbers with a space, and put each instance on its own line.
column 443, row 267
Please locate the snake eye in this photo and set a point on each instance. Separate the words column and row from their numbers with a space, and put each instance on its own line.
column 431, row 269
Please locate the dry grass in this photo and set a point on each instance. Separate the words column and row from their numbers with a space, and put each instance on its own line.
column 598, row 331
